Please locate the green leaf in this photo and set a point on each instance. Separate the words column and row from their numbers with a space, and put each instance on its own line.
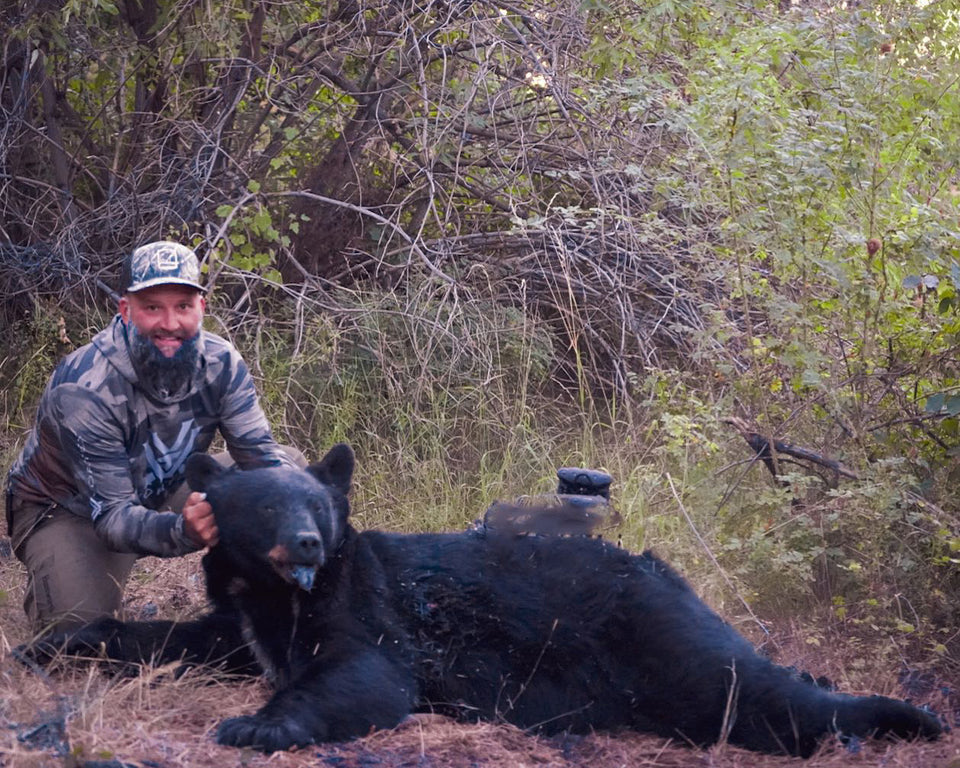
column 261, row 221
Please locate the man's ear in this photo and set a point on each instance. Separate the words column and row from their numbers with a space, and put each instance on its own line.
column 123, row 306
column 202, row 468
column 336, row 468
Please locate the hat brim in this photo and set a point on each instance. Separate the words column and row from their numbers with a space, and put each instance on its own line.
column 165, row 281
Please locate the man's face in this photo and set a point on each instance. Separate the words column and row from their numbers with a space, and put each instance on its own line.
column 167, row 315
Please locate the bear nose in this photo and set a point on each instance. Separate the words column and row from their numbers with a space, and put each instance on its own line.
column 307, row 545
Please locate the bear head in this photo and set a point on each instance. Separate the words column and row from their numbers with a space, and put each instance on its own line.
column 278, row 519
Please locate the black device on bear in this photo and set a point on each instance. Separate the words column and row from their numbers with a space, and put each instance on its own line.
column 552, row 633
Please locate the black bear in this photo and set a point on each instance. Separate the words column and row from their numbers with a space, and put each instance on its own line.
column 552, row 633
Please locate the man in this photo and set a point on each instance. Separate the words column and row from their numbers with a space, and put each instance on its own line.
column 100, row 481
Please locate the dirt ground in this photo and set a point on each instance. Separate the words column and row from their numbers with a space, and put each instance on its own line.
column 80, row 717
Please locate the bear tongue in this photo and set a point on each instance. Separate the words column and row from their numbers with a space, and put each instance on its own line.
column 303, row 575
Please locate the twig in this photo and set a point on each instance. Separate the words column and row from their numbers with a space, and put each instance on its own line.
column 536, row 665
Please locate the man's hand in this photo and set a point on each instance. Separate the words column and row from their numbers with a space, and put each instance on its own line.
column 198, row 520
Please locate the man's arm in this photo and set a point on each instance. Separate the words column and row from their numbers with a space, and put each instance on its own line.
column 243, row 424
column 92, row 441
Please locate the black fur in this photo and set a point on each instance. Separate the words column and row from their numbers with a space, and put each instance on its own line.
column 546, row 632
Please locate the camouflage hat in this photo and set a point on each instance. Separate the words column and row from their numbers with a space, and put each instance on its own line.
column 161, row 263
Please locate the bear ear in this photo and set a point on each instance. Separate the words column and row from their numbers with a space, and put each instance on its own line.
column 201, row 469
column 336, row 468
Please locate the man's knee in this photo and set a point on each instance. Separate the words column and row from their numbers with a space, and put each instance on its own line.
column 72, row 577
column 179, row 497
column 295, row 455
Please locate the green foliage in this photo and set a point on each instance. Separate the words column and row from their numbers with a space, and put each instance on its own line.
column 251, row 239
column 833, row 152
column 29, row 351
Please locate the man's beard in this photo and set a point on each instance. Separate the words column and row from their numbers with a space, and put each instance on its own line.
column 164, row 375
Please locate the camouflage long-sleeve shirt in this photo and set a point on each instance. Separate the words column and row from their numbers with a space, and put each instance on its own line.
column 107, row 448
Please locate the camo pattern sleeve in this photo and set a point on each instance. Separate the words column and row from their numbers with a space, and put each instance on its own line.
column 93, row 441
column 243, row 423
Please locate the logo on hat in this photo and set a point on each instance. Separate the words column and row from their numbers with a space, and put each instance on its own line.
column 161, row 263
column 166, row 259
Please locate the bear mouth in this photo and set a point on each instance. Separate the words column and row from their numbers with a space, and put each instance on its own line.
column 301, row 574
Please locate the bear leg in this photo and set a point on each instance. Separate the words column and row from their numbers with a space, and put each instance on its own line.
column 214, row 639
column 329, row 701
column 793, row 717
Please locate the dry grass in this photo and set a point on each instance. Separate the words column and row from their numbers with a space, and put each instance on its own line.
column 155, row 720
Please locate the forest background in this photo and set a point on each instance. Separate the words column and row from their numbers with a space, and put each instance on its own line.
column 479, row 241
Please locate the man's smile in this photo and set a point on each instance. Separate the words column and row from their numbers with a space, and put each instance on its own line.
column 167, row 344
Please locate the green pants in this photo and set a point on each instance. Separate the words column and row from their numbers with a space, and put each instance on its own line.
column 72, row 576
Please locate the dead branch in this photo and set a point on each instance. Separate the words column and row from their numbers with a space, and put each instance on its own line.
column 767, row 447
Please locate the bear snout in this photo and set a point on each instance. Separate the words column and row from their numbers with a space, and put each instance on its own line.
column 297, row 560
column 307, row 547
column 298, row 548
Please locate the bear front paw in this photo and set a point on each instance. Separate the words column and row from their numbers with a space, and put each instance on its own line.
column 40, row 652
column 90, row 641
column 96, row 640
column 262, row 733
